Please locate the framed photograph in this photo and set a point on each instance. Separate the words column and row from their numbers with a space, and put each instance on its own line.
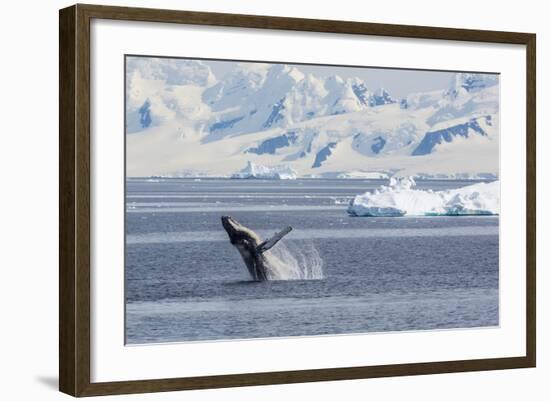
column 249, row 200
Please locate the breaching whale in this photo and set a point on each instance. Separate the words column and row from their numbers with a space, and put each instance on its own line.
column 252, row 248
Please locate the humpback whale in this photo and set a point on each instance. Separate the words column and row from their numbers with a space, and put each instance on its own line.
column 252, row 248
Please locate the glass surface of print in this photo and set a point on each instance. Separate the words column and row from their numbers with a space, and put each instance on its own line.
column 276, row 200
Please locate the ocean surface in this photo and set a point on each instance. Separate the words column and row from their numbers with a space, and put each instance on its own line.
column 186, row 282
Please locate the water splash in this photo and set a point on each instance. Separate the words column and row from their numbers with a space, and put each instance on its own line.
column 295, row 261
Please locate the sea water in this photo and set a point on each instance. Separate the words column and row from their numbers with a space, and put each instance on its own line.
column 185, row 282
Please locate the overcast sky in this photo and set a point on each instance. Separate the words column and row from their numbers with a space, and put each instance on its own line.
column 399, row 83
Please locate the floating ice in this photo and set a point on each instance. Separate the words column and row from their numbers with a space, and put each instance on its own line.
column 400, row 198
column 365, row 175
column 253, row 170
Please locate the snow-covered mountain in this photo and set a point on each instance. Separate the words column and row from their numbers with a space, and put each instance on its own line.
column 180, row 118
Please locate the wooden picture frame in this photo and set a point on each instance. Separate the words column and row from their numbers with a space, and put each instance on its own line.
column 74, row 199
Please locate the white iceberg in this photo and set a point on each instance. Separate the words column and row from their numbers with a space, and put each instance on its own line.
column 253, row 170
column 365, row 175
column 400, row 198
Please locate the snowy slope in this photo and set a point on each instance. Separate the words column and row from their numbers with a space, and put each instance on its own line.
column 182, row 121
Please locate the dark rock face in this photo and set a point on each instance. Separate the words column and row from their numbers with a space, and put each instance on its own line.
column 378, row 144
column 225, row 124
column 473, row 82
column 145, row 114
column 360, row 90
column 323, row 154
column 276, row 113
column 431, row 139
column 271, row 145
column 381, row 98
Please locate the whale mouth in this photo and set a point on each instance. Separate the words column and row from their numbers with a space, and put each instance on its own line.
column 238, row 233
column 231, row 226
column 229, row 223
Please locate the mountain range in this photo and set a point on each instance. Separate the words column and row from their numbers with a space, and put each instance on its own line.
column 183, row 121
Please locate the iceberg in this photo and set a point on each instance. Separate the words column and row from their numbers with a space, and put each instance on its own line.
column 253, row 170
column 401, row 198
column 365, row 175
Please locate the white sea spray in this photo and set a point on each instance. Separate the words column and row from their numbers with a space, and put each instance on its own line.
column 295, row 261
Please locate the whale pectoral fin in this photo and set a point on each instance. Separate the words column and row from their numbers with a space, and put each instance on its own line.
column 270, row 243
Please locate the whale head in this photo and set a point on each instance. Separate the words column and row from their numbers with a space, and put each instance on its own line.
column 240, row 235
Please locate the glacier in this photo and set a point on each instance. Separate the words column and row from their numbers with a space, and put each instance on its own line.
column 253, row 170
column 401, row 198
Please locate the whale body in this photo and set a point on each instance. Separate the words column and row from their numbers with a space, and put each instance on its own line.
column 252, row 248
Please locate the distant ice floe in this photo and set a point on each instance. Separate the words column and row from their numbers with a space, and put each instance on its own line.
column 366, row 175
column 253, row 170
column 400, row 198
